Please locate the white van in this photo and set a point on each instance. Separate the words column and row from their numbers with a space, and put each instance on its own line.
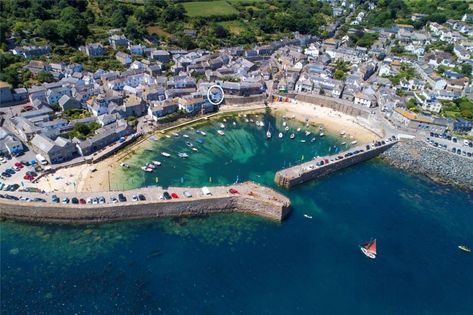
column 41, row 159
column 206, row 191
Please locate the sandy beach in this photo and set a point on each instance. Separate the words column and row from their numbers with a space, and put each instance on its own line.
column 333, row 121
column 96, row 177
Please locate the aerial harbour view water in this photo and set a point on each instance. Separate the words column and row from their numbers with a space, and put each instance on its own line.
column 236, row 157
column 243, row 264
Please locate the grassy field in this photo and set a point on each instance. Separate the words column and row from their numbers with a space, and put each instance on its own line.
column 209, row 8
column 157, row 30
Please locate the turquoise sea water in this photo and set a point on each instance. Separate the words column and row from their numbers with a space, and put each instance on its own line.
column 237, row 264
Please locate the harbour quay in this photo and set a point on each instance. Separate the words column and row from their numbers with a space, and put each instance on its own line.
column 321, row 166
column 156, row 202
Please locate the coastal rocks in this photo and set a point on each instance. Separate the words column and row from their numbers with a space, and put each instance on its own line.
column 417, row 157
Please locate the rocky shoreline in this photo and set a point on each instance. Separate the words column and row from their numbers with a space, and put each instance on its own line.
column 441, row 166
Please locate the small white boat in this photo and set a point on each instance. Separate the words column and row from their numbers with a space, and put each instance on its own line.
column 183, row 155
column 168, row 136
column 303, row 141
column 165, row 154
column 464, row 248
column 220, row 132
column 354, row 142
column 151, row 165
column 287, row 128
column 292, row 136
column 321, row 134
column 147, row 169
column 284, row 124
column 344, row 143
column 307, row 133
column 234, row 123
column 175, row 134
column 251, row 120
column 312, row 140
column 246, row 120
column 268, row 133
column 342, row 133
column 157, row 163
column 222, row 126
column 195, row 149
column 185, row 136
column 124, row 165
column 280, row 135
column 224, row 120
column 203, row 133
column 298, row 129
column 190, row 145
column 308, row 216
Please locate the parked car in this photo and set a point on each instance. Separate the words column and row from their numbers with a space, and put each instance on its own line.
column 82, row 201
column 141, row 197
column 233, row 191
column 65, row 200
column 55, row 199
column 101, row 200
column 134, row 198
column 113, row 199
column 121, row 197
column 75, row 201
column 187, row 194
column 174, row 196
column 166, row 196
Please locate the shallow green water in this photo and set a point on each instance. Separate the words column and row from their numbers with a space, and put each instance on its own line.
column 243, row 264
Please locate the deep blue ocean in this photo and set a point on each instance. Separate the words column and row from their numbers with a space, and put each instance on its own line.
column 239, row 264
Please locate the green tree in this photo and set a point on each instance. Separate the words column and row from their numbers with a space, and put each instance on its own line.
column 44, row 76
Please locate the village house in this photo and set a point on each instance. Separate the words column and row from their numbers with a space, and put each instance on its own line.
column 57, row 151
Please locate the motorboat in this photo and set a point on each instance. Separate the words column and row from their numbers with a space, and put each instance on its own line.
column 369, row 249
column 195, row 149
column 354, row 142
column 222, row 126
column 464, row 248
column 175, row 134
column 307, row 133
column 157, row 163
column 190, row 145
column 268, row 133
column 303, row 141
column 151, row 166
column 185, row 136
column 224, row 120
column 308, row 216
column 168, row 136
column 287, row 128
column 284, row 124
column 280, row 135
column 312, row 140
column 321, row 134
column 183, row 155
column 220, row 132
column 234, row 123
column 298, row 129
column 292, row 136
column 203, row 133
column 165, row 154
column 124, row 165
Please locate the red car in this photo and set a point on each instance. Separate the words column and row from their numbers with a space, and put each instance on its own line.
column 174, row 196
column 233, row 191
column 28, row 177
column 19, row 165
column 82, row 201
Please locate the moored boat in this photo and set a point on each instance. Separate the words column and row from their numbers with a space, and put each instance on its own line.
column 312, row 140
column 464, row 248
column 157, row 163
column 298, row 129
column 308, row 216
column 307, row 133
column 220, row 132
column 268, row 133
column 287, row 128
column 369, row 249
column 190, row 145
column 185, row 136
column 280, row 135
column 183, row 155
column 222, row 126
column 303, row 141
column 321, row 134
column 292, row 136
column 354, row 142
column 195, row 149
column 165, row 154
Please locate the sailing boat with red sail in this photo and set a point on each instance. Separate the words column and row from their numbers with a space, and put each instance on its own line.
column 369, row 249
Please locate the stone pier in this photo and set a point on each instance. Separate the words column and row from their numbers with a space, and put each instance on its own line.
column 322, row 166
column 251, row 198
